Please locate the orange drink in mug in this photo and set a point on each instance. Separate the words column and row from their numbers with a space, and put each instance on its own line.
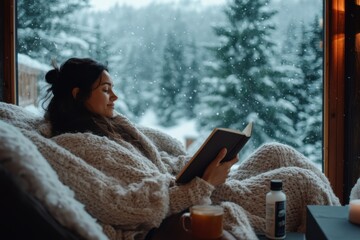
column 204, row 221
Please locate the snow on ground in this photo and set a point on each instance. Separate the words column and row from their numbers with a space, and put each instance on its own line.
column 183, row 130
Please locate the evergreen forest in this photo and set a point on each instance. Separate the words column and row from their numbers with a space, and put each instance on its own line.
column 218, row 65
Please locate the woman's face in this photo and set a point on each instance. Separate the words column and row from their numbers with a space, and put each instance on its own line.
column 102, row 97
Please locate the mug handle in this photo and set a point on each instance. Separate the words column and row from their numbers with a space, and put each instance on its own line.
column 185, row 220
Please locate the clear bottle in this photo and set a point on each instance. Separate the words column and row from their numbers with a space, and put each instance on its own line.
column 276, row 211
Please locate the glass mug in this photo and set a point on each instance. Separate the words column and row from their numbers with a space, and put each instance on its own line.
column 206, row 221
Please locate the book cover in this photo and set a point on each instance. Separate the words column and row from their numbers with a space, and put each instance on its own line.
column 218, row 139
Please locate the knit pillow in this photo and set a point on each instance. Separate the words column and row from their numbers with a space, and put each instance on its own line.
column 355, row 191
column 24, row 119
column 20, row 157
column 23, row 216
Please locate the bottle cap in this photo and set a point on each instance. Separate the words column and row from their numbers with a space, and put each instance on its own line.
column 276, row 184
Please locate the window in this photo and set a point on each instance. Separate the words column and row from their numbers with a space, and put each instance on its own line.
column 336, row 129
column 189, row 66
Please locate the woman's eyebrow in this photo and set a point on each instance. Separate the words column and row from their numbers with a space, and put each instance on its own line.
column 107, row 83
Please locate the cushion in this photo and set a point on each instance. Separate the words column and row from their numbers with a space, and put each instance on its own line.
column 355, row 191
column 20, row 158
column 23, row 216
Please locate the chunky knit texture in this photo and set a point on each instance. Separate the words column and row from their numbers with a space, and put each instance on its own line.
column 20, row 157
column 355, row 191
column 131, row 190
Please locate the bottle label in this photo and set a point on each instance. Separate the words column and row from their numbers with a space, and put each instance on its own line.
column 276, row 220
column 280, row 221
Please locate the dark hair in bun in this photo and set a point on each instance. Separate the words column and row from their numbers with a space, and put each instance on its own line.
column 52, row 76
column 66, row 113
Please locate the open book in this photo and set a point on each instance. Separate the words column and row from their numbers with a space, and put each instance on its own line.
column 219, row 138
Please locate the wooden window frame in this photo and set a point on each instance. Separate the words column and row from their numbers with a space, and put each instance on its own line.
column 334, row 95
column 340, row 135
column 7, row 13
column 341, row 95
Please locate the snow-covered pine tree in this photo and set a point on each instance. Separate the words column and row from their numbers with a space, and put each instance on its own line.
column 241, row 87
column 192, row 81
column 172, row 81
column 310, row 93
column 44, row 29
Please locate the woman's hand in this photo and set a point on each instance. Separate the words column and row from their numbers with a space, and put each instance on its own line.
column 217, row 172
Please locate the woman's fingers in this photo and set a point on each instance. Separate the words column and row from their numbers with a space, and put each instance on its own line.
column 217, row 172
column 220, row 156
column 233, row 161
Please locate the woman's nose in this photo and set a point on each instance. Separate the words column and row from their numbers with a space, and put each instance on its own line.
column 114, row 97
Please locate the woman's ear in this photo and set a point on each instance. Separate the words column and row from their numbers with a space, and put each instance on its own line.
column 75, row 92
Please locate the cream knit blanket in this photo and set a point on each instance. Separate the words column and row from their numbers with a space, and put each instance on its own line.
column 355, row 191
column 130, row 190
column 20, row 157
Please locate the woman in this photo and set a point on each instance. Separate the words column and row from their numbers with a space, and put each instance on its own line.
column 137, row 159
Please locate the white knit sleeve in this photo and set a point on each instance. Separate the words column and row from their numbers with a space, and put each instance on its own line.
column 116, row 186
column 198, row 191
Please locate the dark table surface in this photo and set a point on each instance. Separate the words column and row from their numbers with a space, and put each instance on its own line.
column 289, row 236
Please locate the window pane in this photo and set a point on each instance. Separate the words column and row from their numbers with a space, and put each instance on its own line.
column 186, row 67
